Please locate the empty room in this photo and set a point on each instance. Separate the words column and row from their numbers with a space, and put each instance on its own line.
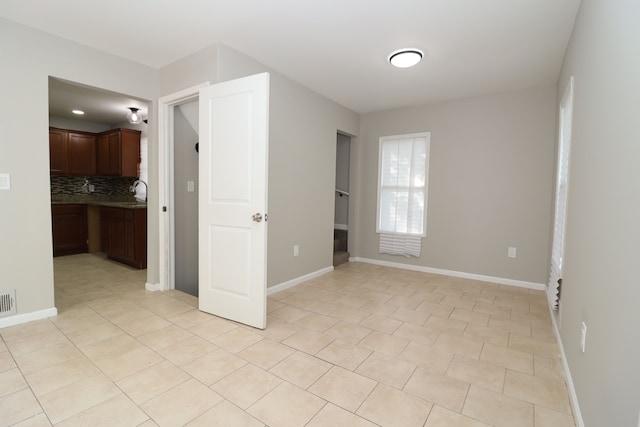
column 319, row 214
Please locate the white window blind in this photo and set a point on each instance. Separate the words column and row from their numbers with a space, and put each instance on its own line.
column 562, row 187
column 402, row 193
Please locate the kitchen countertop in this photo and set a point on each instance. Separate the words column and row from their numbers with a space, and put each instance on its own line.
column 128, row 204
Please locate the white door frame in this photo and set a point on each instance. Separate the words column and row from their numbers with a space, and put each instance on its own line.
column 166, row 229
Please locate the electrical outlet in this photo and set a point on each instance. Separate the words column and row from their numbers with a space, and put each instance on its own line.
column 92, row 188
column 190, row 186
column 583, row 337
column 296, row 250
column 511, row 253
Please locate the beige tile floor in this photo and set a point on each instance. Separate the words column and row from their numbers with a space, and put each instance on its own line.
column 362, row 346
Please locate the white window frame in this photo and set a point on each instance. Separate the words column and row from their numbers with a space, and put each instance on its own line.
column 425, row 189
column 565, row 123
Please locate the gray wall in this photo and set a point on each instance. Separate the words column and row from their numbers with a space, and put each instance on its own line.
column 29, row 57
column 186, row 204
column 490, row 183
column 602, row 248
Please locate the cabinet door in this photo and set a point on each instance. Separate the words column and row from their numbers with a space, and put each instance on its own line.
column 129, row 235
column 119, row 153
column 130, row 153
column 108, row 154
column 140, row 238
column 82, row 154
column 58, row 148
column 102, row 155
column 115, row 154
column 69, row 229
column 112, row 232
column 117, row 238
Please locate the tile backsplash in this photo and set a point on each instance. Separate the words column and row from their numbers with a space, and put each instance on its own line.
column 105, row 188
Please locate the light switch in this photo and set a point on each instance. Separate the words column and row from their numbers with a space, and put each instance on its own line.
column 190, row 186
column 5, row 181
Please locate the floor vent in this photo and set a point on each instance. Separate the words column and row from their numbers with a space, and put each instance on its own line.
column 7, row 303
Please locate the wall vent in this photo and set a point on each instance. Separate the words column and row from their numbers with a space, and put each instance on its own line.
column 7, row 302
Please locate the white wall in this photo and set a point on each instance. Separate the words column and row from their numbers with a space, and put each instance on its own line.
column 29, row 57
column 490, row 183
column 83, row 125
column 600, row 284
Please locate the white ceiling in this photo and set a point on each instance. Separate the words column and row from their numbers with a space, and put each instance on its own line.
column 99, row 106
column 338, row 48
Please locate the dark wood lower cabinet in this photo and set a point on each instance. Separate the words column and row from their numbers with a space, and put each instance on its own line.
column 123, row 235
column 69, row 223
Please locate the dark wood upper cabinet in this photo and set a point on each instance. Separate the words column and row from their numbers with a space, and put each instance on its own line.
column 119, row 153
column 82, row 154
column 58, row 151
column 72, row 152
column 112, row 153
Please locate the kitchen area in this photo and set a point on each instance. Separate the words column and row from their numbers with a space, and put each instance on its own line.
column 97, row 146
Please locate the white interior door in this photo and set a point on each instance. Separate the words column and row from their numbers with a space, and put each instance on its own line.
column 234, row 134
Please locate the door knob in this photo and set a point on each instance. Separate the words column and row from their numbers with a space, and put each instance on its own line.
column 257, row 217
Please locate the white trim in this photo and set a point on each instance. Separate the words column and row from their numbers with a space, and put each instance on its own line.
column 411, row 187
column 166, row 230
column 498, row 280
column 298, row 280
column 573, row 397
column 153, row 287
column 28, row 317
column 340, row 227
column 563, row 165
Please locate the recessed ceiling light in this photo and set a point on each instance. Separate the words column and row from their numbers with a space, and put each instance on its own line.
column 405, row 58
column 78, row 112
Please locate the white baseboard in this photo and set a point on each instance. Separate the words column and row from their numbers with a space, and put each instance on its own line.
column 498, row 280
column 573, row 397
column 153, row 287
column 28, row 317
column 295, row 282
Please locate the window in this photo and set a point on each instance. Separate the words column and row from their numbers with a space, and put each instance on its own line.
column 403, row 171
column 562, row 191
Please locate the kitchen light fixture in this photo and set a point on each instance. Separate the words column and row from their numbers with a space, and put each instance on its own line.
column 134, row 116
column 78, row 112
column 405, row 58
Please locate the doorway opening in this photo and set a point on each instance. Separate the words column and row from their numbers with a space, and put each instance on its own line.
column 83, row 173
column 185, row 196
column 232, row 168
column 176, row 136
column 341, row 214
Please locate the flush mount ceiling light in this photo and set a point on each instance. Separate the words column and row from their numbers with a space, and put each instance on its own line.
column 78, row 112
column 405, row 58
column 134, row 116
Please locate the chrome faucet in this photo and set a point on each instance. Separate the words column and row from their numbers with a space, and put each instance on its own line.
column 135, row 184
